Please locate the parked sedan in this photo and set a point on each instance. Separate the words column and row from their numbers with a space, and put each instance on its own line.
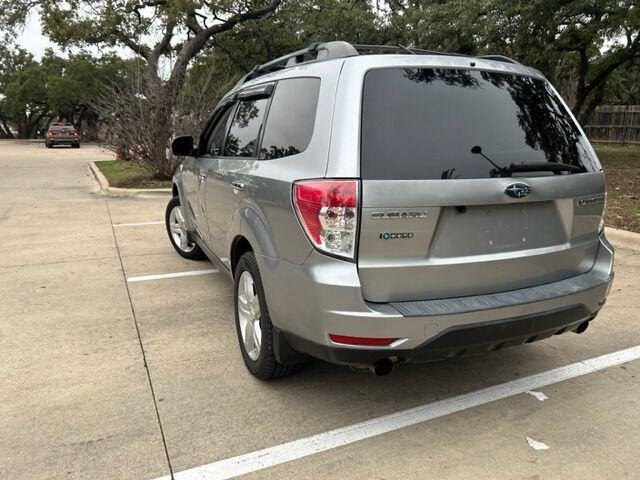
column 62, row 133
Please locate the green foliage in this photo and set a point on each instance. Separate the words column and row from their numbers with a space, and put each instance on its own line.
column 577, row 44
column 34, row 93
column 590, row 49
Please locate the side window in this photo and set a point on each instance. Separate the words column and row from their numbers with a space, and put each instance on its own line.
column 291, row 117
column 242, row 140
column 216, row 138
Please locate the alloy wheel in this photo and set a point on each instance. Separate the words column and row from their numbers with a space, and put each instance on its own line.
column 249, row 315
column 178, row 229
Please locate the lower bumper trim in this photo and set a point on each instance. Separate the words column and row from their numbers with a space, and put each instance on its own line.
column 458, row 341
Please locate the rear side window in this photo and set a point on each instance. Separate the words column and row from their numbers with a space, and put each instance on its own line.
column 291, row 118
column 242, row 140
column 422, row 123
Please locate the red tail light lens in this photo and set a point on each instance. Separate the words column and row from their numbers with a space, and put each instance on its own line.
column 371, row 342
column 74, row 133
column 328, row 212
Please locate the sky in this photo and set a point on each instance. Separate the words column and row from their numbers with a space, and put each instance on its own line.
column 32, row 40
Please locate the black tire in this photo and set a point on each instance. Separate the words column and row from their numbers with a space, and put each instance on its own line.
column 265, row 367
column 48, row 145
column 76, row 145
column 194, row 252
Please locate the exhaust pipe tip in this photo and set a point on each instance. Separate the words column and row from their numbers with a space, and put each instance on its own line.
column 382, row 367
column 582, row 327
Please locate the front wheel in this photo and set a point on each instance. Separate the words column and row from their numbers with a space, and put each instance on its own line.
column 177, row 230
column 253, row 323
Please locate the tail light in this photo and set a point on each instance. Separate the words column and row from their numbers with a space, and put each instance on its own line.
column 74, row 133
column 328, row 212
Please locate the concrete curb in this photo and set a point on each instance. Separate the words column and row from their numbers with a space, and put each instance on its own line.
column 623, row 238
column 105, row 189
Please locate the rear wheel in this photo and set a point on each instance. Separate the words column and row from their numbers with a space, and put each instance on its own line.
column 48, row 144
column 253, row 323
column 177, row 230
column 76, row 145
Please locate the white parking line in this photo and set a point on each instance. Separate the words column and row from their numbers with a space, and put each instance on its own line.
column 137, row 224
column 191, row 273
column 297, row 449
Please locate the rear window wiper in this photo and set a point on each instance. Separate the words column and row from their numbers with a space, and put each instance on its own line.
column 528, row 167
column 544, row 167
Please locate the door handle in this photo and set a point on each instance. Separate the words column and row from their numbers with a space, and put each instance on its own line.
column 237, row 185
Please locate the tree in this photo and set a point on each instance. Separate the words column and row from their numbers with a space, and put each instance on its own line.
column 578, row 44
column 233, row 53
column 22, row 85
column 34, row 93
column 161, row 33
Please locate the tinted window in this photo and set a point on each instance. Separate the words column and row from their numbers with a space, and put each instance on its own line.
column 423, row 123
column 291, row 117
column 242, row 140
column 216, row 139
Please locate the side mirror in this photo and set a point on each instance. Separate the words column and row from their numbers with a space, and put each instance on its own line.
column 182, row 146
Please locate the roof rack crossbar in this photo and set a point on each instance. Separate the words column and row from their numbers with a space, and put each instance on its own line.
column 404, row 49
column 500, row 58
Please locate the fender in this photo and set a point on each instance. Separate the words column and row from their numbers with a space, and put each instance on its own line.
column 250, row 221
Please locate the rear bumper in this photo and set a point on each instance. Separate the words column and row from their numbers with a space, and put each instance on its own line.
column 63, row 140
column 322, row 296
column 456, row 341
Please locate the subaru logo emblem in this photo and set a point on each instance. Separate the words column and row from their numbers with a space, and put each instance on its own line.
column 517, row 190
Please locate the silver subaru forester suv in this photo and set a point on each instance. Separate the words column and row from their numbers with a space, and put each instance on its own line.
column 377, row 205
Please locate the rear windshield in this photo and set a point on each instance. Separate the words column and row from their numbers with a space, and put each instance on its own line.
column 66, row 126
column 423, row 123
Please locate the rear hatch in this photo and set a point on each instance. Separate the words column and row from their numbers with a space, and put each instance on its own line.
column 473, row 182
column 65, row 132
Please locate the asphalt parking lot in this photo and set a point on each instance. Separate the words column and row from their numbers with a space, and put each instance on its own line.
column 113, row 367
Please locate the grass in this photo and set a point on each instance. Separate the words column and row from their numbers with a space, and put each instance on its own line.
column 622, row 168
column 127, row 174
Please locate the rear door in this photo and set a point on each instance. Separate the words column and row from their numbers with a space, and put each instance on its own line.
column 230, row 174
column 445, row 213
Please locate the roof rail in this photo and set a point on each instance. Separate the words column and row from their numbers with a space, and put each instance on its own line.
column 313, row 53
column 338, row 49
column 403, row 49
column 499, row 58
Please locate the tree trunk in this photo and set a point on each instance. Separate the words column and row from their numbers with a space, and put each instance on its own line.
column 164, row 98
column 581, row 90
column 5, row 131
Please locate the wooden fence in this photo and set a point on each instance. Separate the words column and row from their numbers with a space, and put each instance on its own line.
column 615, row 124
